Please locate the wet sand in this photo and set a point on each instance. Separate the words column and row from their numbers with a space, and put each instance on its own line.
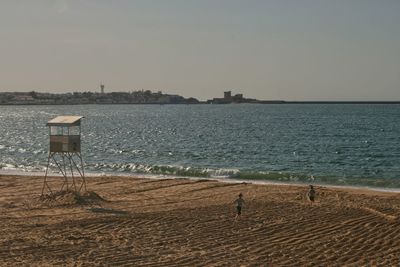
column 182, row 222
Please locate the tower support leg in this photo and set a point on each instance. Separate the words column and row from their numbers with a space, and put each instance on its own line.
column 61, row 163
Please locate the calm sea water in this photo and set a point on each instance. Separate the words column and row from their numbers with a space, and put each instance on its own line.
column 333, row 144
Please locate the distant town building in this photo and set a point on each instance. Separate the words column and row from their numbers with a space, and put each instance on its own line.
column 23, row 98
column 227, row 94
column 237, row 98
column 102, row 88
column 228, row 98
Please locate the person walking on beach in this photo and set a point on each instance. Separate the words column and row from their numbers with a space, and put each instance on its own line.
column 311, row 194
column 239, row 202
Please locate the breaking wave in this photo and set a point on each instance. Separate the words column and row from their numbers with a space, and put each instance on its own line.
column 134, row 169
column 247, row 175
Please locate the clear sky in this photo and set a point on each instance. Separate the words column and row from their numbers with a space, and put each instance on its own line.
column 278, row 49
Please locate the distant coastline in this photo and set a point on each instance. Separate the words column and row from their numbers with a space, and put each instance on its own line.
column 143, row 97
column 341, row 102
column 79, row 98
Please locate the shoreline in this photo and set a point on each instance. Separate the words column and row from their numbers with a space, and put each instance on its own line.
column 218, row 179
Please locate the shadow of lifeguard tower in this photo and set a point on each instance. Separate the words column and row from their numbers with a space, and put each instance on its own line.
column 65, row 153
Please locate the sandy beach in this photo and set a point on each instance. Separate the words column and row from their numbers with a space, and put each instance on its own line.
column 127, row 221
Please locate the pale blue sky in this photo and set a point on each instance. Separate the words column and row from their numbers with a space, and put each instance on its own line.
column 290, row 50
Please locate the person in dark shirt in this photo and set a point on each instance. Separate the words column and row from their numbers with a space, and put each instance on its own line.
column 239, row 202
column 311, row 194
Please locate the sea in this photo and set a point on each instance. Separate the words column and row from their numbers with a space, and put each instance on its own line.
column 329, row 144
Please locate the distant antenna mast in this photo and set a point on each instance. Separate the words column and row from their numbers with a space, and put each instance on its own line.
column 65, row 152
column 102, row 88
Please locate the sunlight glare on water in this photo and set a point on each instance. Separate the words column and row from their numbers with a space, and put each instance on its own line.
column 350, row 144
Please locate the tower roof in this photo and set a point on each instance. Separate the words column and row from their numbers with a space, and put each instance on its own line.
column 65, row 121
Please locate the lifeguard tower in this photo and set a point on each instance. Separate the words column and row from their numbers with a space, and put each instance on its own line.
column 65, row 153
